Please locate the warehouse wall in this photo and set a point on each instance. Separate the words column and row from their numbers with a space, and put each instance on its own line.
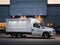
column 4, row 12
column 28, row 7
column 53, row 14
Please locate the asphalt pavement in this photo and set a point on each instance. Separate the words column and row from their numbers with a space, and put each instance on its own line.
column 7, row 40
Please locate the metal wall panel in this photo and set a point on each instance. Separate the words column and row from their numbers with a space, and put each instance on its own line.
column 4, row 12
column 53, row 14
column 28, row 7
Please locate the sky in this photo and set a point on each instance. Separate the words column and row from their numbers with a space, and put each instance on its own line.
column 7, row 2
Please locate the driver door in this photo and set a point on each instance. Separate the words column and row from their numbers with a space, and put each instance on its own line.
column 36, row 29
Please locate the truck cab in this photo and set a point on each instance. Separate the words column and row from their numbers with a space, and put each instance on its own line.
column 40, row 29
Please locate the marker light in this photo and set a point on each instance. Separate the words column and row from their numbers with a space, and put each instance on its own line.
column 24, row 21
column 20, row 22
column 10, row 22
column 13, row 22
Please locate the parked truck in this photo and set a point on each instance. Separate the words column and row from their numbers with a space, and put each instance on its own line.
column 18, row 27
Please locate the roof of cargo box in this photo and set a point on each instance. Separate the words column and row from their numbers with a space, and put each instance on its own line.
column 28, row 7
column 34, row 20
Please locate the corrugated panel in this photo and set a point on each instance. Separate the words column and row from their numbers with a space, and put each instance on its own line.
column 4, row 12
column 53, row 10
column 28, row 7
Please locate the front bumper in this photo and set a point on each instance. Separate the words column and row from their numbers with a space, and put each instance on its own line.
column 54, row 35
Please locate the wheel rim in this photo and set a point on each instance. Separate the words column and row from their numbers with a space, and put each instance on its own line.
column 46, row 35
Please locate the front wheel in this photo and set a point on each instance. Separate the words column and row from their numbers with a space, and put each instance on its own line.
column 46, row 35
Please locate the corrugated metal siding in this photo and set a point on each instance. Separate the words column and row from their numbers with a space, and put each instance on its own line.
column 53, row 14
column 4, row 12
column 28, row 7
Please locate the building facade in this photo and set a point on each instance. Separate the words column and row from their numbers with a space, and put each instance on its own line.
column 40, row 9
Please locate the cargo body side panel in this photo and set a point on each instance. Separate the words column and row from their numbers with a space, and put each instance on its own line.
column 18, row 25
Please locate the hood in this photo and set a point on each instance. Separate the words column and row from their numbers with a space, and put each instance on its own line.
column 48, row 29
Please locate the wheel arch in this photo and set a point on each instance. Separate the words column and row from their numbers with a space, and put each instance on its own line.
column 45, row 32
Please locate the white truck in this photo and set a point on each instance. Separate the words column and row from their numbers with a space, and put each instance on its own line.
column 18, row 27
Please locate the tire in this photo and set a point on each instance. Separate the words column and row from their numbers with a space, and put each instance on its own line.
column 18, row 35
column 46, row 35
column 13, row 35
column 23, row 36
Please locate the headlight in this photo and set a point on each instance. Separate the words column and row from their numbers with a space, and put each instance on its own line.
column 53, row 30
column 50, row 32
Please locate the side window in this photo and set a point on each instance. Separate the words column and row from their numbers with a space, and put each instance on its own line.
column 36, row 25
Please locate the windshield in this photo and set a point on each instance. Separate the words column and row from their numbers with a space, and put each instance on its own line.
column 42, row 25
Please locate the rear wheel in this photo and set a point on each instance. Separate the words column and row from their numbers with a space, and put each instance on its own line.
column 12, row 35
column 17, row 35
column 23, row 36
column 46, row 35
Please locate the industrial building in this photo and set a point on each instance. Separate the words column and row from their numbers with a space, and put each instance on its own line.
column 39, row 9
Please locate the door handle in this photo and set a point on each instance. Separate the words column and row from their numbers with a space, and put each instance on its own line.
column 32, row 29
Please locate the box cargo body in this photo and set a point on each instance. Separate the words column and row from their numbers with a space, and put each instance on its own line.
column 18, row 25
